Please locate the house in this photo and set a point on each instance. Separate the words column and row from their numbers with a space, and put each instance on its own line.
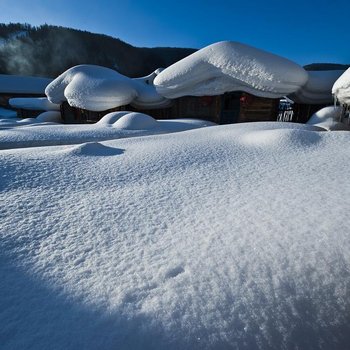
column 226, row 82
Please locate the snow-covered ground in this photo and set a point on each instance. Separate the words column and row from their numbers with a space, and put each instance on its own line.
column 45, row 131
column 226, row 237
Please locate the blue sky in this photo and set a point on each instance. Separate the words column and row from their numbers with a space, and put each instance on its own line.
column 303, row 31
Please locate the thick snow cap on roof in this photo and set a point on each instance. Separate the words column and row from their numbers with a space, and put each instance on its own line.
column 39, row 103
column 318, row 88
column 98, row 88
column 230, row 66
column 91, row 87
column 341, row 88
column 23, row 85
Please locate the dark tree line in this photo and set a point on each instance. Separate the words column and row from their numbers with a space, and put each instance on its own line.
column 50, row 50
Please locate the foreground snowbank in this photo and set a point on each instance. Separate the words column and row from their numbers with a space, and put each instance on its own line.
column 230, row 66
column 231, row 237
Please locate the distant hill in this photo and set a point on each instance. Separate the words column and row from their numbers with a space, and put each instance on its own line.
column 50, row 50
column 326, row 66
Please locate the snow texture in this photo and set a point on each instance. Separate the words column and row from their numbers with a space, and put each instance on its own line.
column 98, row 88
column 318, row 88
column 23, row 84
column 228, row 237
column 328, row 118
column 32, row 103
column 341, row 88
column 230, row 66
column 44, row 130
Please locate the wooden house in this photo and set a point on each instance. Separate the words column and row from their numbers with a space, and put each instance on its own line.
column 232, row 107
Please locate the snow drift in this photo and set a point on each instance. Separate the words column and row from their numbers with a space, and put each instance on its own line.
column 230, row 66
column 230, row 237
column 318, row 88
column 98, row 88
column 341, row 88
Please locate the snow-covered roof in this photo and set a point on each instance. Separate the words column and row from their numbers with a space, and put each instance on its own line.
column 22, row 84
column 230, row 66
column 341, row 88
column 34, row 103
column 98, row 88
column 318, row 88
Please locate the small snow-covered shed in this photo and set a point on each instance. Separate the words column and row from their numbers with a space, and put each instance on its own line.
column 21, row 86
column 87, row 92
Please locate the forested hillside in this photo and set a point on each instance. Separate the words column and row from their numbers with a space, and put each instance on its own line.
column 49, row 50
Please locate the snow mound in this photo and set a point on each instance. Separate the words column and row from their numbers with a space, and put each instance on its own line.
column 39, row 103
column 341, row 88
column 296, row 138
column 91, row 87
column 95, row 149
column 328, row 118
column 136, row 121
column 98, row 88
column 230, row 66
column 49, row 116
column 318, row 88
column 110, row 118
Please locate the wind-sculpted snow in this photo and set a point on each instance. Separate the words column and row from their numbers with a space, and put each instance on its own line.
column 98, row 88
column 230, row 66
column 38, row 103
column 318, row 88
column 229, row 237
column 341, row 88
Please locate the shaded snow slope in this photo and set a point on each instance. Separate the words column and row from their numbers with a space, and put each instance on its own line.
column 341, row 88
column 318, row 88
column 98, row 88
column 328, row 118
column 230, row 66
column 231, row 237
column 44, row 130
